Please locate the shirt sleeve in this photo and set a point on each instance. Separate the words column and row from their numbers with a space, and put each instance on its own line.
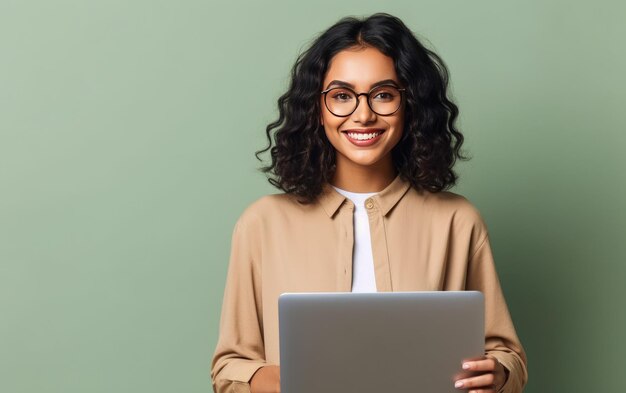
column 240, row 348
column 501, row 340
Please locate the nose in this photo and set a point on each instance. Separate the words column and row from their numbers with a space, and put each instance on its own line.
column 363, row 113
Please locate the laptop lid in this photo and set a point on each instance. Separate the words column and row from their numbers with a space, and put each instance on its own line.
column 344, row 342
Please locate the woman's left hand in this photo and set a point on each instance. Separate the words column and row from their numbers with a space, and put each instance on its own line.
column 489, row 375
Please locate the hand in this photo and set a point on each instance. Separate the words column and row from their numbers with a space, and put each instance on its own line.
column 266, row 380
column 488, row 375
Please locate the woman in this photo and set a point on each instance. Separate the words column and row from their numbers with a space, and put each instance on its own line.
column 363, row 152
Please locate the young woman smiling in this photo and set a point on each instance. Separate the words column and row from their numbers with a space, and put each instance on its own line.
column 363, row 151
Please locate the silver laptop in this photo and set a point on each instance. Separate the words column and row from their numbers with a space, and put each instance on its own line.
column 378, row 342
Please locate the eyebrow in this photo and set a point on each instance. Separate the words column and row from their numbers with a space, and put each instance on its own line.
column 350, row 85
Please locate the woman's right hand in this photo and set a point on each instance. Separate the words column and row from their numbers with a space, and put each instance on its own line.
column 266, row 380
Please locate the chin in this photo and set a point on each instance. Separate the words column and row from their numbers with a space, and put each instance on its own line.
column 365, row 162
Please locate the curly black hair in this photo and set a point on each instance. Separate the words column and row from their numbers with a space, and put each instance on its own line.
column 302, row 157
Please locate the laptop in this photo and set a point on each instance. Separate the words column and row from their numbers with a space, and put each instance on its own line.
column 343, row 342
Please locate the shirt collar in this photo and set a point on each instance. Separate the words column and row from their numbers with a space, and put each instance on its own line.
column 386, row 199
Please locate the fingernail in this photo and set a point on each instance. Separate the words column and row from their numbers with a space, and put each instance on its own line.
column 458, row 384
column 466, row 366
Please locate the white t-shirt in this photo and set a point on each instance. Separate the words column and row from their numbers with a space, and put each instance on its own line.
column 363, row 278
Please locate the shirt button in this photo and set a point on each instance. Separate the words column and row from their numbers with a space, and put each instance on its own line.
column 369, row 204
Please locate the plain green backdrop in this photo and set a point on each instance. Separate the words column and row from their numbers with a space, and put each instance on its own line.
column 127, row 139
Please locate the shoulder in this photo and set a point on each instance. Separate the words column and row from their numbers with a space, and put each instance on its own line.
column 273, row 208
column 451, row 203
column 451, row 209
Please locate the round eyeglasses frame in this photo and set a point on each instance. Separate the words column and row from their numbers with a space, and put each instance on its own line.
column 358, row 101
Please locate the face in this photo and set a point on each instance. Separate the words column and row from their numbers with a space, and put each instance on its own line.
column 361, row 69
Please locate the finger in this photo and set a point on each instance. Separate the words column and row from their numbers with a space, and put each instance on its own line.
column 488, row 364
column 484, row 381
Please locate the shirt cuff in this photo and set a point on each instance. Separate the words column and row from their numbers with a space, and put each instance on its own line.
column 237, row 378
column 514, row 382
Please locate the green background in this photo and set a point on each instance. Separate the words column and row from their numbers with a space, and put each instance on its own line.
column 127, row 133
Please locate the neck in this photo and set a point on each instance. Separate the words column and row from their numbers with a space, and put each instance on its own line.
column 357, row 178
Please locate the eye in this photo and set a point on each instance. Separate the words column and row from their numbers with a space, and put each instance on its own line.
column 341, row 95
column 385, row 94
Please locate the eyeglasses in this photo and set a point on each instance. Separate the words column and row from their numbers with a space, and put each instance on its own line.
column 383, row 100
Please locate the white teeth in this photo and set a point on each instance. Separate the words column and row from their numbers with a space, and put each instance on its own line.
column 363, row 137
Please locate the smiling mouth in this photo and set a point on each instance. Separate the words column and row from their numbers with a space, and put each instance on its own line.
column 363, row 136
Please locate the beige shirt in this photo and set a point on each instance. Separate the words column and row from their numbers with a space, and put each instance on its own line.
column 421, row 241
